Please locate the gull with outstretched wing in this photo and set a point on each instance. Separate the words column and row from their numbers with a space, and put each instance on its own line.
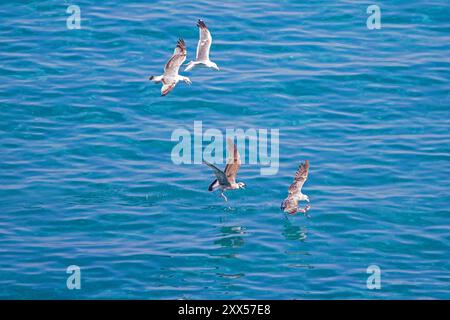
column 170, row 78
column 290, row 204
column 203, row 47
column 226, row 180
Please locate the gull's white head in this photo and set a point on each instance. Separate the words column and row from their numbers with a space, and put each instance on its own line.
column 241, row 185
column 304, row 197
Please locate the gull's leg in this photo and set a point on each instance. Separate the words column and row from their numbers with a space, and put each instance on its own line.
column 224, row 196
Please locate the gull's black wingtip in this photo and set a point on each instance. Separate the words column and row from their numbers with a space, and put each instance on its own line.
column 201, row 23
column 211, row 186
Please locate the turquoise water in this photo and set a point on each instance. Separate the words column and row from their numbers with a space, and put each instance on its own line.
column 86, row 176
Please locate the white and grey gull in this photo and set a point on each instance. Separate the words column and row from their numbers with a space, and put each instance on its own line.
column 203, row 47
column 170, row 78
column 226, row 180
column 290, row 204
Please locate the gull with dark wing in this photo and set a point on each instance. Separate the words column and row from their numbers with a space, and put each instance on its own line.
column 290, row 204
column 171, row 77
column 226, row 180
column 203, row 46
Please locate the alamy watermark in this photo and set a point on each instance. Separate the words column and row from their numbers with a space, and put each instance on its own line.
column 190, row 147
column 374, row 280
column 374, row 20
column 74, row 280
column 74, row 20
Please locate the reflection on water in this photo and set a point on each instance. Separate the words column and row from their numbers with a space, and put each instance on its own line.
column 231, row 237
column 231, row 276
column 293, row 232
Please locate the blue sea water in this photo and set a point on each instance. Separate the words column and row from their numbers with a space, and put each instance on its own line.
column 86, row 176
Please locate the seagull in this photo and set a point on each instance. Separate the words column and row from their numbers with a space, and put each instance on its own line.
column 171, row 77
column 226, row 180
column 203, row 46
column 290, row 204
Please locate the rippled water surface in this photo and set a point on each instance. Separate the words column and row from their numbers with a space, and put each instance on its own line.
column 86, row 176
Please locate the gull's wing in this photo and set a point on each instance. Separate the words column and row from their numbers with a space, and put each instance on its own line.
column 220, row 175
column 166, row 88
column 290, row 205
column 204, row 42
column 300, row 177
column 233, row 163
column 177, row 59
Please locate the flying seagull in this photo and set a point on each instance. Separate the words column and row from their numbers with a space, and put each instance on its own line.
column 171, row 77
column 226, row 180
column 290, row 204
column 203, row 46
